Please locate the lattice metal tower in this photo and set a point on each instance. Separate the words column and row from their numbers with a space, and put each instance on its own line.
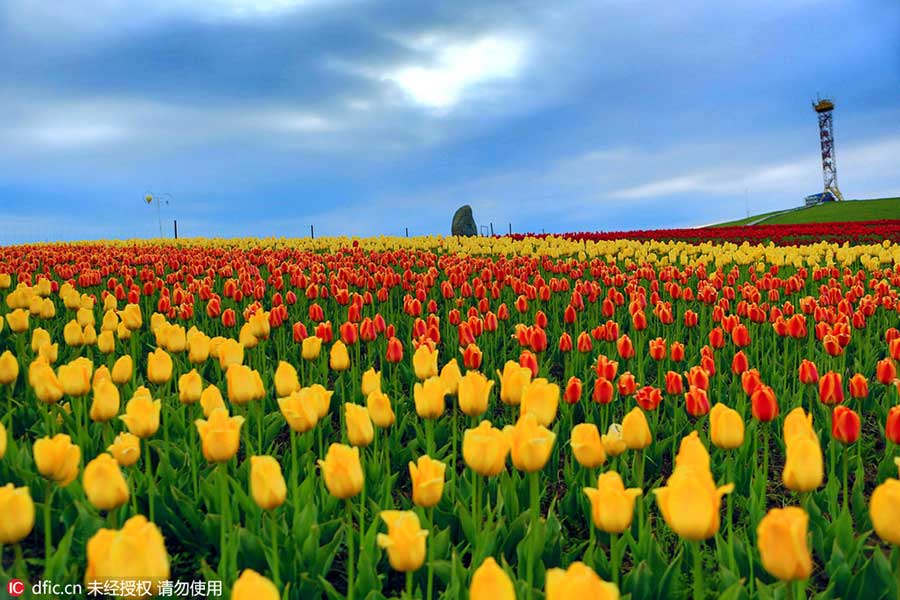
column 823, row 108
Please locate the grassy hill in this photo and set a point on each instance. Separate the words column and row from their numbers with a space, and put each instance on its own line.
column 849, row 210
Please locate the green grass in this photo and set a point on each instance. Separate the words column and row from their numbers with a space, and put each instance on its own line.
column 849, row 210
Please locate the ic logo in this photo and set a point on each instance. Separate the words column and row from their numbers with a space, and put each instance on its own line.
column 15, row 587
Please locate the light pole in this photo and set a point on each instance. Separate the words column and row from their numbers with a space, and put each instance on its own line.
column 159, row 199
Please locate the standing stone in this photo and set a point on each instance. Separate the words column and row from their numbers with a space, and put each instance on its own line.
column 464, row 222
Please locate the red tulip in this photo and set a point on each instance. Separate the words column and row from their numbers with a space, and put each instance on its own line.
column 690, row 319
column 696, row 402
column 886, row 371
column 584, row 343
column 472, row 357
column 698, row 377
column 831, row 388
column 349, row 333
column 717, row 338
column 229, row 318
column 658, row 349
column 739, row 363
column 808, row 373
column 892, row 426
column 674, row 383
column 845, row 425
column 529, row 360
column 740, row 336
column 750, row 380
column 626, row 384
column 603, row 391
column 763, row 404
column 859, row 386
column 625, row 347
column 565, row 342
column 570, row 314
column 832, row 345
column 299, row 331
column 639, row 321
column 606, row 368
column 540, row 319
column 573, row 391
column 648, row 397
column 676, row 352
column 394, row 353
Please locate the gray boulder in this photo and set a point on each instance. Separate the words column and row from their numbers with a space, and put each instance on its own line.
column 464, row 222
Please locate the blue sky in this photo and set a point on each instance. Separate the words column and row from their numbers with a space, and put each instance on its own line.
column 261, row 118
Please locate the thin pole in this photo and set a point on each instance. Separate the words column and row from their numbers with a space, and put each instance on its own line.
column 492, row 228
column 407, row 231
column 510, row 228
column 176, row 227
column 312, row 231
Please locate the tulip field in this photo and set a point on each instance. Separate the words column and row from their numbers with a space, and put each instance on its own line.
column 531, row 417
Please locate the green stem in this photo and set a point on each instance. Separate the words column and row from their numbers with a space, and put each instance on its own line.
column 455, row 424
column 430, row 589
column 897, row 556
column 351, row 563
column 275, row 553
column 48, row 536
column 535, row 497
column 698, row 571
column 614, row 559
column 844, row 460
column 224, row 517
column 409, row 585
column 429, row 437
column 476, row 516
column 729, row 471
column 148, row 470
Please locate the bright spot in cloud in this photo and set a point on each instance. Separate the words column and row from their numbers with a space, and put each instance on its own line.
column 458, row 67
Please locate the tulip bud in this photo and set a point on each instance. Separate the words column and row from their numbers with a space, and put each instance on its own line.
column 845, row 425
column 106, row 401
column 9, row 368
column 300, row 410
column 474, row 390
column 57, row 458
column 360, row 431
column 425, row 361
column 427, row 477
column 782, row 539
column 612, row 506
column 635, row 430
column 892, row 426
column 371, row 382
column 803, row 466
column 808, row 373
column 485, row 449
column 243, row 384
column 578, row 581
column 253, row 586
column 884, row 510
column 17, row 509
column 267, row 485
column 339, row 358
column 530, row 443
column 572, row 395
column 540, row 398
column 859, row 386
column 587, row 446
column 286, row 379
column 126, row 449
column 159, row 366
column 342, row 471
column 696, row 402
column 220, row 435
column 490, row 582
column 104, row 484
column 429, row 397
column 117, row 555
column 512, row 380
column 726, row 427
column 142, row 413
column 379, row 406
column 763, row 404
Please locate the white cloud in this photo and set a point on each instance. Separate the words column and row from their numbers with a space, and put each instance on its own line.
column 457, row 67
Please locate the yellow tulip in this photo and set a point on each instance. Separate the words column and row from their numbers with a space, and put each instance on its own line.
column 635, row 430
column 48, row 309
column 110, row 320
column 50, row 352
column 342, row 471
column 198, row 348
column 782, row 539
column 425, row 362
column 221, row 435
column 798, row 424
column 137, row 552
column 578, row 581
column 259, row 324
column 312, row 347
column 106, row 342
column 246, row 337
column 210, row 400
column 253, row 586
column 9, row 368
column 126, row 449
column 726, row 427
column 121, row 371
column 530, row 443
column 692, row 453
column 404, row 541
column 104, row 484
column 2, row 441
column 244, row 384
column 142, row 413
column 884, row 510
column 379, row 407
column 474, row 391
column 485, row 449
column 190, row 387
column 612, row 506
column 612, row 440
column 540, row 398
column 73, row 334
column 286, row 379
column 131, row 316
column 157, row 321
column 230, row 352
column 57, row 458
column 512, row 381
column 46, row 385
column 427, row 477
column 159, row 366
column 360, row 431
column 803, row 465
column 106, row 401
column 75, row 379
column 90, row 335
column 339, row 359
column 39, row 337
column 490, row 582
column 122, row 332
column 17, row 320
column 17, row 509
column 322, row 398
column 371, row 382
column 85, row 316
column 267, row 485
column 299, row 410
column 690, row 502
column 451, row 375
column 429, row 398
column 587, row 446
